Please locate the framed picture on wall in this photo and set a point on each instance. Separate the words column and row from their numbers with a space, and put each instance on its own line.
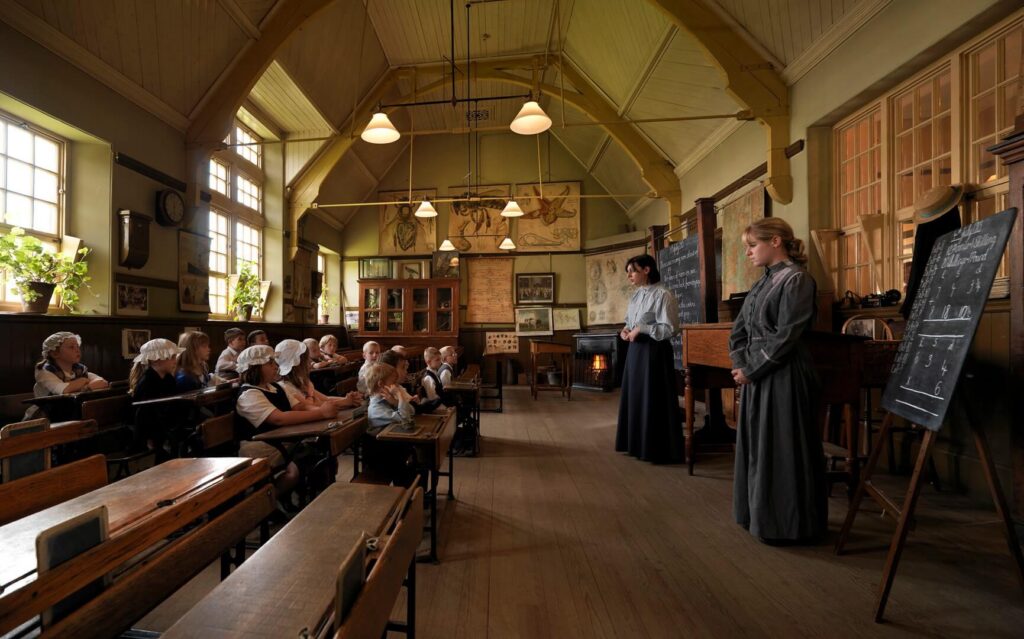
column 374, row 268
column 411, row 269
column 132, row 340
column 535, row 288
column 132, row 300
column 193, row 272
column 534, row 320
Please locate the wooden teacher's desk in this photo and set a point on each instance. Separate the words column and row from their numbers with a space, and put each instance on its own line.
column 287, row 588
column 837, row 358
column 431, row 438
column 142, row 511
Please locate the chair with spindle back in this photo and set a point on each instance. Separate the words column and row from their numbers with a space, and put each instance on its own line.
column 110, row 413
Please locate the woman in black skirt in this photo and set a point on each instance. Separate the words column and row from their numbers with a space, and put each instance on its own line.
column 650, row 426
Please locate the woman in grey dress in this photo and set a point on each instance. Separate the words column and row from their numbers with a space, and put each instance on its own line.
column 779, row 485
column 650, row 426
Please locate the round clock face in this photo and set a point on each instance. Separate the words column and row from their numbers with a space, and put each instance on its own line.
column 173, row 206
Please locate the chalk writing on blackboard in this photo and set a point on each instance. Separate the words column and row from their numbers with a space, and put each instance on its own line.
column 679, row 265
column 944, row 318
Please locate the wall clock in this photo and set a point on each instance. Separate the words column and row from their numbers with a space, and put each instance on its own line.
column 170, row 207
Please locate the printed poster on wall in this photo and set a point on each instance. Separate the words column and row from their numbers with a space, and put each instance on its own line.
column 608, row 290
column 193, row 272
column 401, row 232
column 551, row 217
column 490, row 290
column 738, row 274
column 477, row 226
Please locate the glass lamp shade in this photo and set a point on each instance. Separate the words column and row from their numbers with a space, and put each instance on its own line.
column 426, row 209
column 507, row 244
column 380, row 130
column 447, row 245
column 531, row 120
column 512, row 210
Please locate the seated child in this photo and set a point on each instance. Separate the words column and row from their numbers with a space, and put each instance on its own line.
column 293, row 364
column 316, row 358
column 433, row 387
column 152, row 377
column 449, row 360
column 398, row 348
column 264, row 405
column 329, row 350
column 389, row 402
column 193, row 371
column 257, row 338
column 235, row 340
column 371, row 353
column 61, row 370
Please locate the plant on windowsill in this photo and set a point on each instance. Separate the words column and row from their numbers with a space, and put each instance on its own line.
column 326, row 302
column 37, row 272
column 247, row 298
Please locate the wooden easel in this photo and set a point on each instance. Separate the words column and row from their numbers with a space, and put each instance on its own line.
column 904, row 514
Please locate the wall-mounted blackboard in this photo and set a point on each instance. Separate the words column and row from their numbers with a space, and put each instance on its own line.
column 679, row 265
column 944, row 318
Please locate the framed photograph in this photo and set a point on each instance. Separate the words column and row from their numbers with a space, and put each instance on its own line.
column 411, row 269
column 132, row 300
column 132, row 340
column 534, row 320
column 446, row 264
column 193, row 272
column 535, row 288
column 567, row 319
column 374, row 268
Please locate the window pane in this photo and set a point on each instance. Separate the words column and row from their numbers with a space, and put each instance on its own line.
column 985, row 69
column 924, row 102
column 19, row 143
column 986, row 162
column 943, row 172
column 45, row 217
column 943, row 133
column 19, row 210
column 47, row 154
column 45, row 187
column 19, row 177
column 904, row 113
column 943, row 93
column 3, row 137
column 905, row 189
column 1011, row 48
column 1009, row 105
column 984, row 115
column 923, row 143
column 923, row 179
column 904, row 151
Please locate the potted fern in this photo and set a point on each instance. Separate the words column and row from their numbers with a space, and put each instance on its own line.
column 247, row 297
column 38, row 272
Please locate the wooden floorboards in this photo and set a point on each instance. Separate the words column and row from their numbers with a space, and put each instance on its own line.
column 553, row 534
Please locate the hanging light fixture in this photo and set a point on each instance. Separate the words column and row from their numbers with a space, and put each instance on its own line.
column 512, row 210
column 531, row 120
column 507, row 244
column 426, row 209
column 380, row 130
column 447, row 245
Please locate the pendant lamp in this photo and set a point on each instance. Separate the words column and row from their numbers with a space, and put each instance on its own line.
column 426, row 209
column 447, row 245
column 531, row 120
column 507, row 244
column 380, row 130
column 512, row 210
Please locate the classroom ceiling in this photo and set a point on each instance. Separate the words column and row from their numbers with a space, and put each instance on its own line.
column 168, row 56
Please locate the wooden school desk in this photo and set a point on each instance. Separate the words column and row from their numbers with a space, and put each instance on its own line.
column 288, row 585
column 67, row 407
column 432, row 441
column 324, row 379
column 197, row 398
column 143, row 510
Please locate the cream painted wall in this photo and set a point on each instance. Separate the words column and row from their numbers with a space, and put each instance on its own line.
column 505, row 158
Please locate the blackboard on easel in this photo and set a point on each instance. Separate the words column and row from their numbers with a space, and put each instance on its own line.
column 944, row 319
column 679, row 265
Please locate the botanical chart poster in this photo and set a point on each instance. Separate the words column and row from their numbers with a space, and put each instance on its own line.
column 501, row 342
column 551, row 222
column 738, row 274
column 401, row 232
column 608, row 290
column 490, row 290
column 567, row 319
column 193, row 272
column 477, row 226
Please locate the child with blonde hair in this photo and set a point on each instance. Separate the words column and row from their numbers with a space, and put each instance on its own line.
column 61, row 370
column 293, row 365
column 329, row 350
column 371, row 353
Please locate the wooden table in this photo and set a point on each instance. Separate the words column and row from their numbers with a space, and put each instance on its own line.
column 288, row 585
column 564, row 354
column 432, row 441
column 336, row 434
column 466, row 391
column 166, row 496
column 197, row 398
column 68, row 407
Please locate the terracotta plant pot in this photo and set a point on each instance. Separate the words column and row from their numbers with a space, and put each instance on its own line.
column 244, row 314
column 325, row 319
column 42, row 302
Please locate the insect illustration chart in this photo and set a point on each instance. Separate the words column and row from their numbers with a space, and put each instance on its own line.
column 944, row 318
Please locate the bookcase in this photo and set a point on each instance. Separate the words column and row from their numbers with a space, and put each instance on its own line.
column 422, row 308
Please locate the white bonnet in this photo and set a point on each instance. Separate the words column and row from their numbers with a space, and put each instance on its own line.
column 54, row 341
column 289, row 351
column 157, row 349
column 254, row 356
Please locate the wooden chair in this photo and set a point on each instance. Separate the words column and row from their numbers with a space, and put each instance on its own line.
column 393, row 565
column 345, row 386
column 112, row 412
column 215, row 437
column 12, row 407
column 30, row 462
column 28, row 495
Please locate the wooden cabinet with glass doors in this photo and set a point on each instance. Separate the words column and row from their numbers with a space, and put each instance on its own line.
column 427, row 308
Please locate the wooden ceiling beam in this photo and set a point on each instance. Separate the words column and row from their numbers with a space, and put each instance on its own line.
column 750, row 78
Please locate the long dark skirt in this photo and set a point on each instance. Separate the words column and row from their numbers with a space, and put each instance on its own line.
column 650, row 423
column 779, row 484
